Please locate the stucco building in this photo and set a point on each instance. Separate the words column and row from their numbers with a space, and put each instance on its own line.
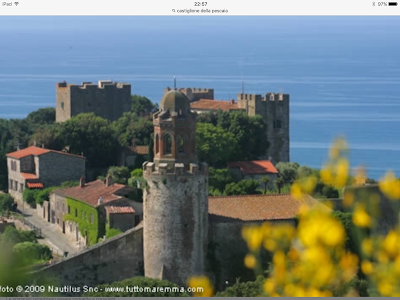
column 35, row 167
column 89, row 209
column 107, row 99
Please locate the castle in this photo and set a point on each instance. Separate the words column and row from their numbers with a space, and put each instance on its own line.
column 107, row 99
column 273, row 107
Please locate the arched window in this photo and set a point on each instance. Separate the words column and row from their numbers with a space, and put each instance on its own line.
column 167, row 144
column 181, row 145
column 157, row 143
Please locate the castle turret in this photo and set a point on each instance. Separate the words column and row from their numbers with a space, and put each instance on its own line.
column 176, row 197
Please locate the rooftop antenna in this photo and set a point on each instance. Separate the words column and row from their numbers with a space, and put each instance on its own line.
column 175, row 82
column 242, row 86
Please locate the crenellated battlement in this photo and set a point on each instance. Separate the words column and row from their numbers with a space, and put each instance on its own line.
column 276, row 97
column 254, row 97
column 195, row 94
column 150, row 168
column 102, row 84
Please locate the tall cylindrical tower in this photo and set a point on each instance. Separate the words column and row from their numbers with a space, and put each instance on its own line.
column 176, row 196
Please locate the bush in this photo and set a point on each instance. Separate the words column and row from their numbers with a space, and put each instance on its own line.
column 169, row 289
column 28, row 253
column 112, row 232
column 13, row 236
column 29, row 196
column 244, row 289
column 243, row 187
column 43, row 195
column 137, row 173
column 6, row 202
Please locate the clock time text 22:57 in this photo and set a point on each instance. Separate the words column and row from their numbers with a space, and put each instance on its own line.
column 200, row 4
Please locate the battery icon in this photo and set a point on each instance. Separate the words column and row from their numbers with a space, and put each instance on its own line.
column 392, row 3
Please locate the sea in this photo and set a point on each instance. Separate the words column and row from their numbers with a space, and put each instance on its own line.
column 342, row 73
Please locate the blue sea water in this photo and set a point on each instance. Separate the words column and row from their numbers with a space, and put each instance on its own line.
column 342, row 73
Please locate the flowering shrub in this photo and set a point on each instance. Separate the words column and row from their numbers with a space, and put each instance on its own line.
column 312, row 259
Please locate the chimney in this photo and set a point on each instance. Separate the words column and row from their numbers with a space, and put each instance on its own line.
column 109, row 180
column 34, row 143
column 82, row 182
column 233, row 101
column 100, row 201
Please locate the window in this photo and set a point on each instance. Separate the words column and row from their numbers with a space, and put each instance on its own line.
column 13, row 165
column 15, row 185
column 69, row 209
column 62, row 105
column 91, row 219
column 157, row 144
column 167, row 144
column 21, row 187
column 277, row 124
column 181, row 148
column 76, row 212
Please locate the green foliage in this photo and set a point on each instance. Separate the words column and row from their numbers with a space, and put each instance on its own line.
column 44, row 195
column 346, row 219
column 142, row 106
column 360, row 285
column 164, row 181
column 219, row 178
column 12, row 236
column 279, row 183
column 214, row 145
column 265, row 180
column 112, row 232
column 6, row 202
column 67, row 184
column 243, row 187
column 137, row 173
column 91, row 135
column 152, row 288
column 29, row 196
column 244, row 289
column 130, row 127
column 28, row 253
column 119, row 174
column 42, row 116
column 84, row 212
column 287, row 171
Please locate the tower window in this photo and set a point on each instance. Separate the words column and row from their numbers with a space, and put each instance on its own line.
column 277, row 124
column 157, row 144
column 181, row 148
column 62, row 105
column 167, row 144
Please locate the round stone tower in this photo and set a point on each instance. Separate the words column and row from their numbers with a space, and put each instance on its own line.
column 176, row 196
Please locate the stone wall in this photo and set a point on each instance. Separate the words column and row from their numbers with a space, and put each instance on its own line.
column 15, row 180
column 106, row 99
column 115, row 259
column 175, row 221
column 195, row 94
column 55, row 168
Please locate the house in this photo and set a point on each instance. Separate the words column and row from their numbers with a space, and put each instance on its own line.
column 86, row 211
column 255, row 169
column 37, row 168
column 129, row 155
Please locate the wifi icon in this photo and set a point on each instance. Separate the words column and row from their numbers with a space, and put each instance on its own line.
column 16, row 3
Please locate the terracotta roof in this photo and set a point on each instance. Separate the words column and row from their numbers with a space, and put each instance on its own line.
column 254, row 167
column 35, row 185
column 142, row 150
column 119, row 210
column 91, row 192
column 29, row 175
column 206, row 104
column 257, row 207
column 33, row 150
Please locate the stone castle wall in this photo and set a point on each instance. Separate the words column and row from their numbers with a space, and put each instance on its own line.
column 106, row 99
column 195, row 94
column 112, row 260
column 175, row 221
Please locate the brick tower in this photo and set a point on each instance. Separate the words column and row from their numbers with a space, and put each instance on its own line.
column 176, row 196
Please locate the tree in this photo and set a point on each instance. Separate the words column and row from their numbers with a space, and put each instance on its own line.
column 279, row 183
column 6, row 202
column 131, row 127
column 119, row 174
column 265, row 180
column 42, row 116
column 243, row 187
column 28, row 253
column 213, row 144
column 142, row 106
column 244, row 289
column 44, row 195
column 137, row 173
column 91, row 135
column 47, row 135
column 288, row 171
column 150, row 288
column 219, row 178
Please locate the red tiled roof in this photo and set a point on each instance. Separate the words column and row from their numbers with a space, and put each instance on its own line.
column 254, row 167
column 206, row 104
column 29, row 175
column 142, row 150
column 33, row 150
column 92, row 191
column 119, row 210
column 258, row 207
column 35, row 185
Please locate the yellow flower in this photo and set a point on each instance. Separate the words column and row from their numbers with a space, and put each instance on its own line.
column 342, row 172
column 269, row 286
column 390, row 186
column 253, row 235
column 360, row 217
column 326, row 174
column 367, row 246
column 385, row 288
column 250, row 261
column 367, row 267
column 201, row 285
column 296, row 191
column 391, row 244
